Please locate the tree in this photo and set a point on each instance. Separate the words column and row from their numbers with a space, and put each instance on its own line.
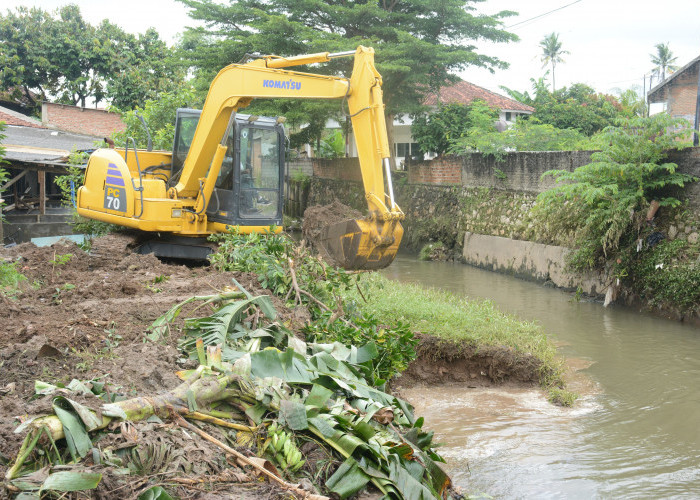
column 577, row 107
column 63, row 56
column 525, row 135
column 25, row 59
column 438, row 131
column 81, row 58
column 159, row 115
column 143, row 67
column 551, row 53
column 663, row 60
column 632, row 101
column 418, row 43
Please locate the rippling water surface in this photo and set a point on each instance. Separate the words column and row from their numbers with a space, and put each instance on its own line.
column 635, row 433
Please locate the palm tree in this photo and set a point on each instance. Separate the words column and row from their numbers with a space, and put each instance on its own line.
column 552, row 52
column 663, row 60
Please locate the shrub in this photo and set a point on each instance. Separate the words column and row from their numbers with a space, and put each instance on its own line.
column 601, row 202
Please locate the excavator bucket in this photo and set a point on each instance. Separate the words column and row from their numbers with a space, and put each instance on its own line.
column 360, row 243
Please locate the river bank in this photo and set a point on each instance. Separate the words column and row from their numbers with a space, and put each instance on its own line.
column 493, row 227
column 627, row 436
column 83, row 316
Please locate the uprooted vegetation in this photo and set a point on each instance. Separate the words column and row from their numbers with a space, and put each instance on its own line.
column 281, row 371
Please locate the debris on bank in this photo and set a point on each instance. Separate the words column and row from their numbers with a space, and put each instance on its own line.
column 257, row 412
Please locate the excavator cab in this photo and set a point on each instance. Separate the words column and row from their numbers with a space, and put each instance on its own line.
column 248, row 190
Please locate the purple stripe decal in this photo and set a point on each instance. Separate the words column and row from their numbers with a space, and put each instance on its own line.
column 115, row 181
column 114, row 172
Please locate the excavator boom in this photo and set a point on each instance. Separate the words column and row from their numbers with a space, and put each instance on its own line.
column 226, row 149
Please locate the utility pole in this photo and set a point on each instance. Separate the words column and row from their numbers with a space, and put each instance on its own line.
column 646, row 105
column 697, row 111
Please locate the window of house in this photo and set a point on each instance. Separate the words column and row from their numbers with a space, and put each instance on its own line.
column 509, row 116
column 402, row 149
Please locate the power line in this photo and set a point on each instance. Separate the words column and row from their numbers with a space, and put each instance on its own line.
column 542, row 15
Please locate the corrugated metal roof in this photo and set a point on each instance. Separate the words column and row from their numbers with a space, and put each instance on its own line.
column 31, row 144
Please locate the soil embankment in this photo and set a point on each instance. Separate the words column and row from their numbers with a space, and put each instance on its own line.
column 84, row 315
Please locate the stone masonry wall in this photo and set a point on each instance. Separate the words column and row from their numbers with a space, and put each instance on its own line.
column 94, row 122
column 486, row 203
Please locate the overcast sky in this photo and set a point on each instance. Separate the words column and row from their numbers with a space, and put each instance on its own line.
column 609, row 40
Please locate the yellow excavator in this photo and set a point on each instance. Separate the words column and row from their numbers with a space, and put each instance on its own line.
column 227, row 169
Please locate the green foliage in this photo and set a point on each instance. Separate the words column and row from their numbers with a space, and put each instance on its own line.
column 577, row 107
column 598, row 201
column 438, row 131
column 10, row 278
column 432, row 251
column 332, row 146
column 561, row 397
column 144, row 68
column 668, row 274
column 323, row 392
column 418, row 44
column 663, row 60
column 396, row 346
column 525, row 135
column 632, row 101
column 160, row 117
column 273, row 258
column 552, row 52
column 59, row 53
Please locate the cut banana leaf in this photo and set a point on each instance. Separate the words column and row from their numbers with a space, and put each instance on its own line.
column 77, row 438
column 71, row 481
column 348, row 479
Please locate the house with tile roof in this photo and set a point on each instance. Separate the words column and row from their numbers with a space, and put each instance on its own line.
column 461, row 92
column 678, row 92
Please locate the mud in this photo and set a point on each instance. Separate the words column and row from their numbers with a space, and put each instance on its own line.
column 320, row 216
column 441, row 362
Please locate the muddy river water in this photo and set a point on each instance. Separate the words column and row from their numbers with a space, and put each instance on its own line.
column 635, row 431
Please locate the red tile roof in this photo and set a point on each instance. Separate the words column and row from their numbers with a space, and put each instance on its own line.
column 464, row 93
column 15, row 120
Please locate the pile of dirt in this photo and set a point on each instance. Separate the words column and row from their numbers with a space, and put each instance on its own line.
column 84, row 315
column 318, row 217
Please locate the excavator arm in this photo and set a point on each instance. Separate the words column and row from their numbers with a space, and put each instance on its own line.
column 368, row 243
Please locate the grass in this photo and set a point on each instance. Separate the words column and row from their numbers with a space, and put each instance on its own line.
column 10, row 278
column 455, row 318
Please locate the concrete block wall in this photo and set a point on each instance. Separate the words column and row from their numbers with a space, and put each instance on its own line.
column 87, row 121
column 343, row 169
column 521, row 171
column 303, row 165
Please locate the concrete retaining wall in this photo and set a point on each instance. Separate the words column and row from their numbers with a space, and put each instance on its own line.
column 529, row 260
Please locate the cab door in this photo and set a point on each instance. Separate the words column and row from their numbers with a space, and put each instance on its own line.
column 248, row 191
